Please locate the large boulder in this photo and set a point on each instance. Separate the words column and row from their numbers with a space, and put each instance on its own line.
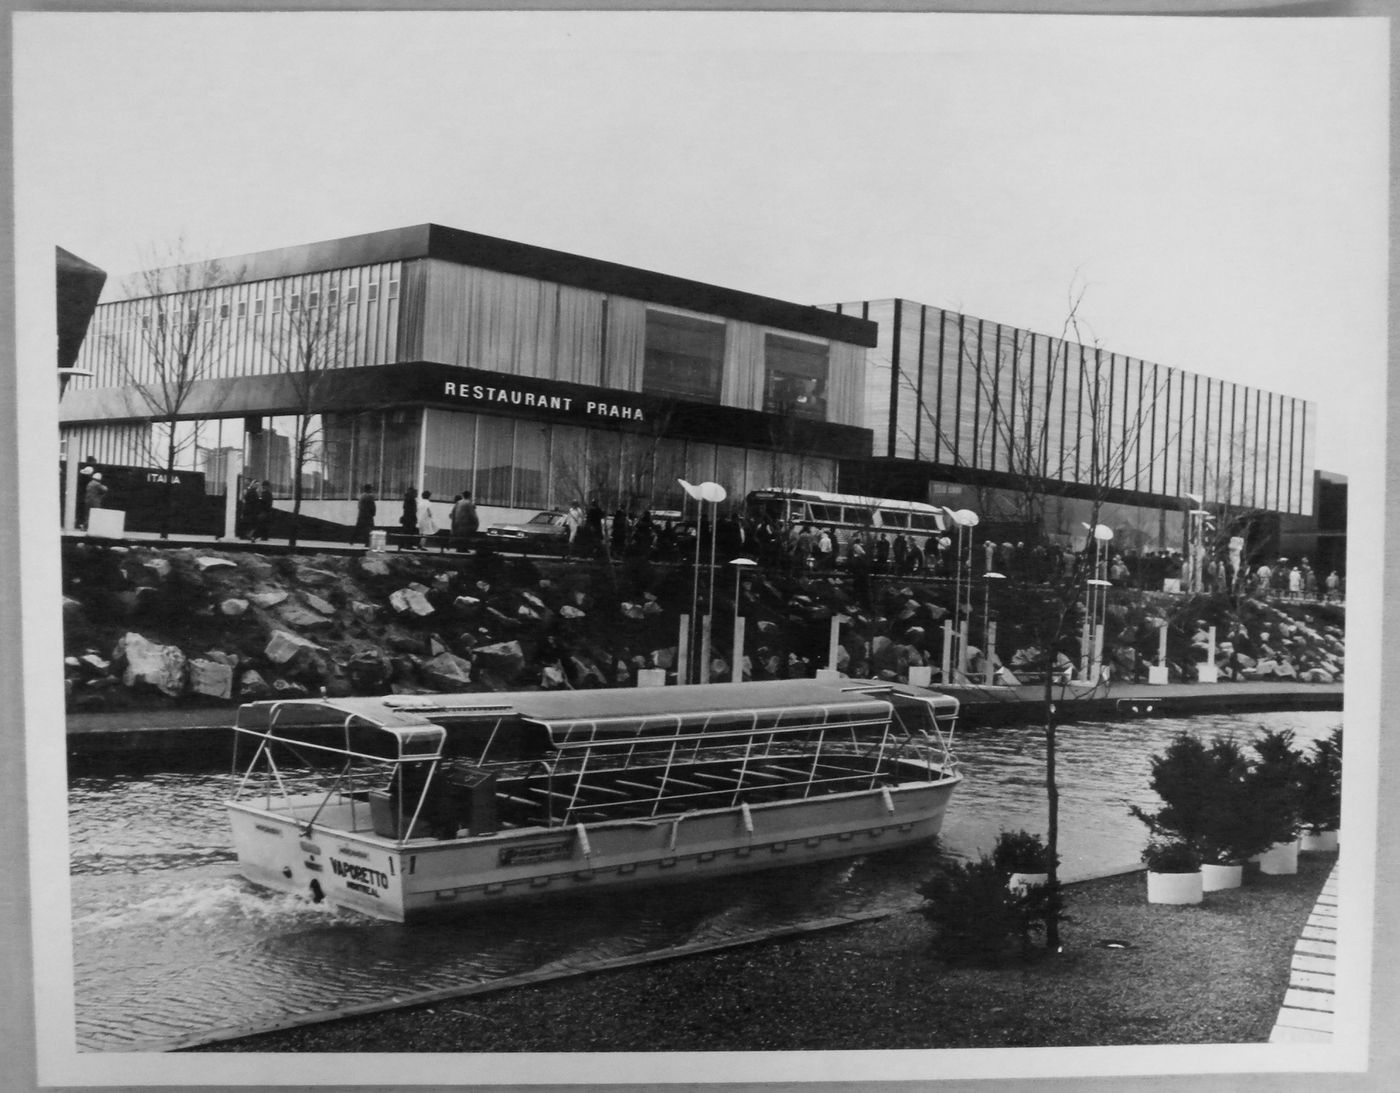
column 317, row 604
column 374, row 564
column 211, row 678
column 410, row 601
column 505, row 659
column 294, row 614
column 446, row 672
column 285, row 647
column 252, row 687
column 147, row 664
column 268, row 599
column 368, row 671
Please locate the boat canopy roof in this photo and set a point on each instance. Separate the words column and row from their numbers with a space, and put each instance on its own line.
column 579, row 716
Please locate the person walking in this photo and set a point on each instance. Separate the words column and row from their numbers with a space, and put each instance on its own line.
column 94, row 496
column 364, row 517
column 261, row 524
column 408, row 520
column 85, row 473
column 574, row 520
column 465, row 522
column 249, row 511
column 427, row 520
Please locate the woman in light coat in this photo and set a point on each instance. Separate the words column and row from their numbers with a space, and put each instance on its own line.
column 427, row 522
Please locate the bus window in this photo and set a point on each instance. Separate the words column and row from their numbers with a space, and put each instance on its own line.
column 894, row 519
column 825, row 514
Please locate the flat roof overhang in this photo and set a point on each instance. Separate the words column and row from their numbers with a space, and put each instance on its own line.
column 526, row 260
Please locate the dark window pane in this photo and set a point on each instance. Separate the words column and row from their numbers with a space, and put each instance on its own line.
column 684, row 357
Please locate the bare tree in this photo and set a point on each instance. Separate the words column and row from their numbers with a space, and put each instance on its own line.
column 1101, row 441
column 311, row 338
column 180, row 337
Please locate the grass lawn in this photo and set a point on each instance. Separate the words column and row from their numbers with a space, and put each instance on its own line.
column 1214, row 973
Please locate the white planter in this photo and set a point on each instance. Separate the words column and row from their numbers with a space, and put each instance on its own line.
column 1324, row 841
column 1280, row 860
column 1180, row 888
column 1214, row 878
column 1019, row 882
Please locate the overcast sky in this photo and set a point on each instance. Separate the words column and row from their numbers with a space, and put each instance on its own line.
column 1216, row 186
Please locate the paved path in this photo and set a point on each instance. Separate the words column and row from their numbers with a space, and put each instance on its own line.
column 1307, row 1013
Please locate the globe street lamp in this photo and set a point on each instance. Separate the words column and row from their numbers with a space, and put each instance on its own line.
column 989, row 633
column 714, row 493
column 1095, row 600
column 736, row 672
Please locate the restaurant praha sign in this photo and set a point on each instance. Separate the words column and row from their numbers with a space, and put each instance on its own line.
column 499, row 395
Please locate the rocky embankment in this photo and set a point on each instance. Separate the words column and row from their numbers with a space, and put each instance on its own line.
column 147, row 627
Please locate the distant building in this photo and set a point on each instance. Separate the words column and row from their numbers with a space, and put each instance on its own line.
column 964, row 411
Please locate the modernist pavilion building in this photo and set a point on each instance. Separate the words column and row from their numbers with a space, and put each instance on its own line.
column 447, row 360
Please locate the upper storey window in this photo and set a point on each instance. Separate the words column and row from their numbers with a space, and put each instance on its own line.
column 684, row 357
column 794, row 377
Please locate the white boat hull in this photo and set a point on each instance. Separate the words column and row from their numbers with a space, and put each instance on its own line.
column 405, row 880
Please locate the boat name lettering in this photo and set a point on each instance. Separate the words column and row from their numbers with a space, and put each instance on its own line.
column 360, row 873
column 268, row 829
column 528, row 855
column 351, row 852
column 366, row 889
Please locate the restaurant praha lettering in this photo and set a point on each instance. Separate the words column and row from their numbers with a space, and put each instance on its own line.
column 482, row 392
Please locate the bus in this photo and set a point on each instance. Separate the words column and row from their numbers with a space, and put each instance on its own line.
column 848, row 513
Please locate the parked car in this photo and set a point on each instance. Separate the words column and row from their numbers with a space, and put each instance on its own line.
column 543, row 533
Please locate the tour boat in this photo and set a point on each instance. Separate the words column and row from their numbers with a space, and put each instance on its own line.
column 405, row 806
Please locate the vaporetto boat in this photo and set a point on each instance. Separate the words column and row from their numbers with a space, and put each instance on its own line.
column 408, row 806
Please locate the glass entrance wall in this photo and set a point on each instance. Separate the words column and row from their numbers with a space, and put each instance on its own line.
column 529, row 464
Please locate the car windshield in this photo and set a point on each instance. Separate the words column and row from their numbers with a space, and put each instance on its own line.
column 546, row 518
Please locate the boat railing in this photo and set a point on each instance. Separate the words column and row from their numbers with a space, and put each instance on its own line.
column 417, row 744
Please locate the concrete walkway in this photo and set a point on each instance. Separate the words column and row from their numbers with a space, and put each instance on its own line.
column 1307, row 1013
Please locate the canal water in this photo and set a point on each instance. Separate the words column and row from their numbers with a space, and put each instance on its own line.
column 170, row 943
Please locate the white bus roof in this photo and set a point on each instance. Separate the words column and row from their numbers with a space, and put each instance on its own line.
column 851, row 499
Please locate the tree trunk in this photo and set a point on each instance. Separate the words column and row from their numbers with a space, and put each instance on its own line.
column 1052, row 795
column 167, row 509
column 300, row 461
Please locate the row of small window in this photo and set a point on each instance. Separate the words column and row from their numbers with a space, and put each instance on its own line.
column 294, row 301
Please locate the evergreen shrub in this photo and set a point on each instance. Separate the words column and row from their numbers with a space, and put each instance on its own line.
column 978, row 918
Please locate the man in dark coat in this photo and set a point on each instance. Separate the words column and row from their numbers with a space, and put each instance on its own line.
column 261, row 526
column 465, row 522
column 364, row 518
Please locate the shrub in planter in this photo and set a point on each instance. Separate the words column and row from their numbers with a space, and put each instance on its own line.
column 1274, row 788
column 1170, row 856
column 978, row 919
column 1173, row 872
column 1205, row 799
column 1320, row 785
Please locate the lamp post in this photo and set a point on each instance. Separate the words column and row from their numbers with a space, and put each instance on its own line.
column 714, row 493
column 1200, row 520
column 989, row 630
column 965, row 520
column 736, row 672
column 1095, row 602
